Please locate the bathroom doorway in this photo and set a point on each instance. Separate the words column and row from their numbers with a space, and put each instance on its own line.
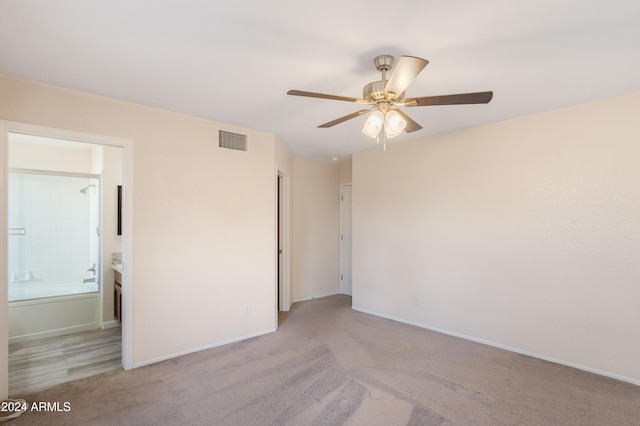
column 73, row 179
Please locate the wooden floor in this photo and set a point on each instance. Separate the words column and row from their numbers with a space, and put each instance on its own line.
column 39, row 364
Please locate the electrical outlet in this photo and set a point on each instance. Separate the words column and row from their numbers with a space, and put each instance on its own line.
column 247, row 310
column 417, row 300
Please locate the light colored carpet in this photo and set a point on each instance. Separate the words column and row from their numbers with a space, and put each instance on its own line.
column 330, row 365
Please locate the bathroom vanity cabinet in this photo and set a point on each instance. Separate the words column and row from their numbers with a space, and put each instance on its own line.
column 117, row 296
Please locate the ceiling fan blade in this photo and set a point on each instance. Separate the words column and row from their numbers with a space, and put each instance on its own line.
column 412, row 126
column 404, row 73
column 462, row 98
column 345, row 118
column 324, row 96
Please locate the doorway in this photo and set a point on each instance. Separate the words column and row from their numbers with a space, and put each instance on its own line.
column 89, row 191
column 55, row 263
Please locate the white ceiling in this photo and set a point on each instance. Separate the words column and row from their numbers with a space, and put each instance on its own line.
column 234, row 61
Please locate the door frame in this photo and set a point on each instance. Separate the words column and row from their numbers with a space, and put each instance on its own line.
column 342, row 186
column 127, row 330
column 283, row 232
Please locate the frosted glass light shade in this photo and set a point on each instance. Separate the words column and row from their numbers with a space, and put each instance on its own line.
column 394, row 124
column 373, row 125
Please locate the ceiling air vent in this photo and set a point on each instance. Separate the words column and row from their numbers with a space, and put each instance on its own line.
column 231, row 140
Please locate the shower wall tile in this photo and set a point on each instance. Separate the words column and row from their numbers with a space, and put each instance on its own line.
column 55, row 214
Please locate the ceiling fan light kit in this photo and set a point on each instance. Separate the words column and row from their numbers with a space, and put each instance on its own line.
column 374, row 124
column 386, row 96
column 394, row 124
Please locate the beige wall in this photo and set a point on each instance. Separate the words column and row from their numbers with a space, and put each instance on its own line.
column 316, row 230
column 345, row 170
column 284, row 160
column 204, row 217
column 523, row 233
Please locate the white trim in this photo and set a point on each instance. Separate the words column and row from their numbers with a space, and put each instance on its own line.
column 110, row 324
column 127, row 145
column 501, row 346
column 4, row 279
column 343, row 289
column 285, row 284
column 127, row 259
column 56, row 133
column 202, row 348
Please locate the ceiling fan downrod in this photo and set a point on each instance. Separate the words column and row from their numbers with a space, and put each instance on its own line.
column 383, row 63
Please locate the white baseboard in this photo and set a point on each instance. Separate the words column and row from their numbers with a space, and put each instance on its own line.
column 201, row 348
column 110, row 324
column 501, row 346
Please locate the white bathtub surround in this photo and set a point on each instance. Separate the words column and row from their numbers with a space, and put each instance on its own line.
column 56, row 251
column 54, row 316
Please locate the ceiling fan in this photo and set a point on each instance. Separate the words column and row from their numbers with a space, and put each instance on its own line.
column 385, row 98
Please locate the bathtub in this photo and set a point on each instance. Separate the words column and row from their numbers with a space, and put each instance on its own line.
column 42, row 311
column 36, row 289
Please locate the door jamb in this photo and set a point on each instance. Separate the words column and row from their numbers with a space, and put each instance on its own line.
column 342, row 186
column 283, row 227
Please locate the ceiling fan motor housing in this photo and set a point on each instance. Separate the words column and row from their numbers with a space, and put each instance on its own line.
column 374, row 92
column 383, row 62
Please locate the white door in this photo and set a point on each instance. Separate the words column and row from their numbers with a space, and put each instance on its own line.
column 345, row 239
